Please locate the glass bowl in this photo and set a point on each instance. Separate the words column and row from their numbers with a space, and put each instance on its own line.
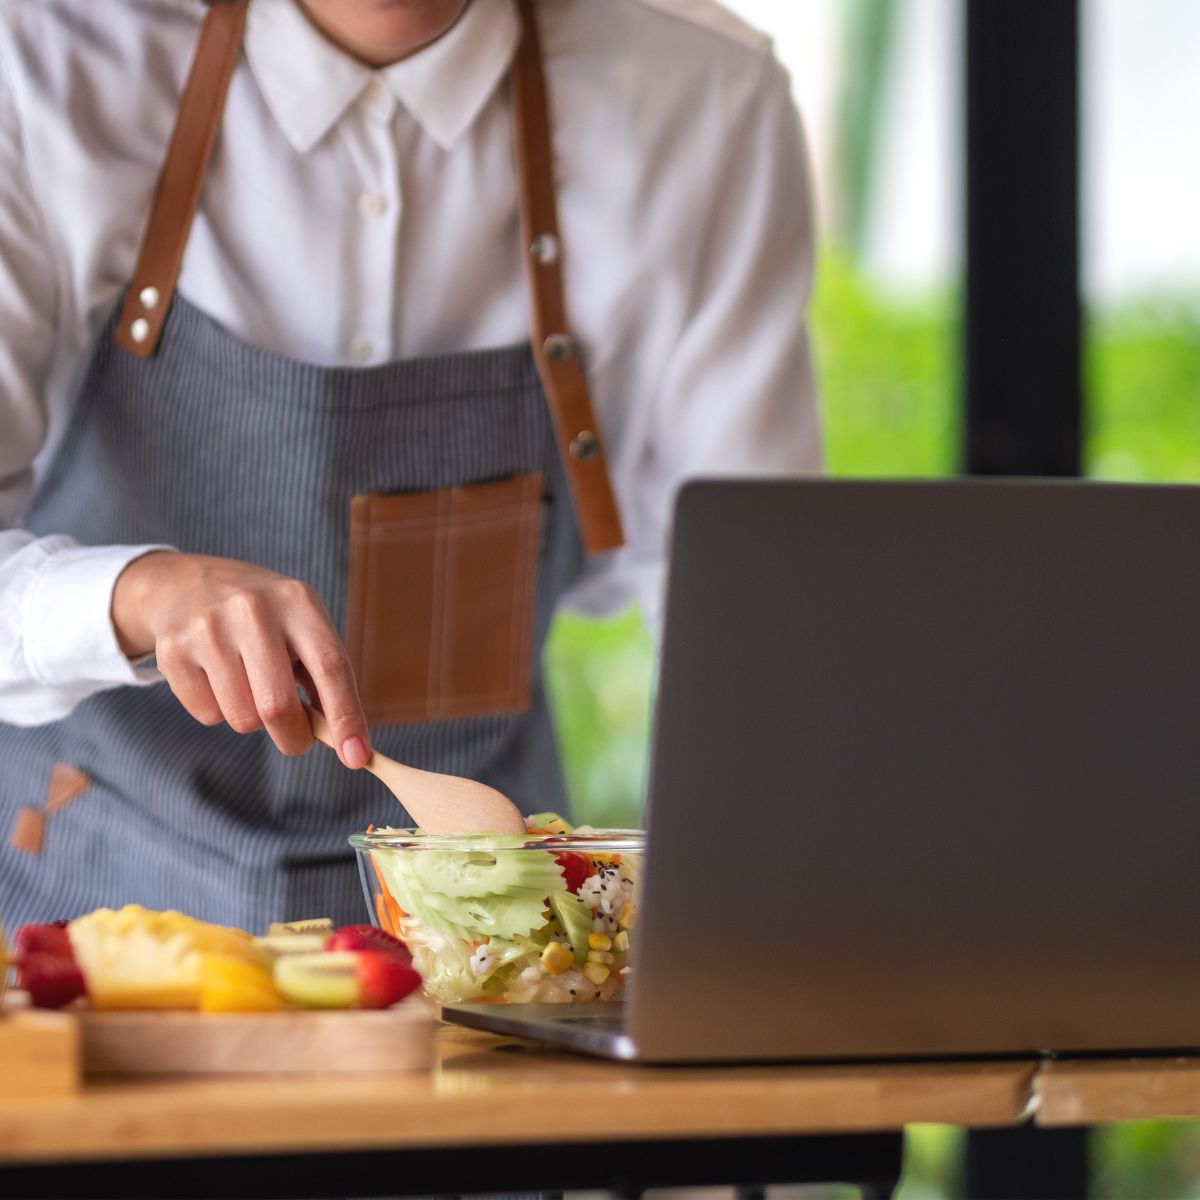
column 544, row 917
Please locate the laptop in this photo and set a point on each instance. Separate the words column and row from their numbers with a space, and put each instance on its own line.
column 925, row 778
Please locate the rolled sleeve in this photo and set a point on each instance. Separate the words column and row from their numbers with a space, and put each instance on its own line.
column 55, row 601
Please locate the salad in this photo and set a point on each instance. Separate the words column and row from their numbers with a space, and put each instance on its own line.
column 545, row 917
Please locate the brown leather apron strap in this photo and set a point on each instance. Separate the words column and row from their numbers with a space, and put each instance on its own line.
column 178, row 192
column 555, row 350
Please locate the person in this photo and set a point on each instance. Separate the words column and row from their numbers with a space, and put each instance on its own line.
column 307, row 380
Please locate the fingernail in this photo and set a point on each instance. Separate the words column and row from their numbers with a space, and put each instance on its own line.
column 354, row 753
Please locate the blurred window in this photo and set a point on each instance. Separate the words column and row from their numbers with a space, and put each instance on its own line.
column 1141, row 282
column 1141, row 238
column 878, row 83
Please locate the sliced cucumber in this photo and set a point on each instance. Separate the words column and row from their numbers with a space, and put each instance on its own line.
column 411, row 896
column 507, row 952
column 481, row 873
column 491, row 916
column 576, row 919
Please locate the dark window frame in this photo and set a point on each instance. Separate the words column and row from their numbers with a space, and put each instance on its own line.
column 1022, row 319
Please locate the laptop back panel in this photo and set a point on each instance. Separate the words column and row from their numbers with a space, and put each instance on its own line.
column 926, row 774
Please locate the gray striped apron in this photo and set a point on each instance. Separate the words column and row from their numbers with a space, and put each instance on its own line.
column 217, row 447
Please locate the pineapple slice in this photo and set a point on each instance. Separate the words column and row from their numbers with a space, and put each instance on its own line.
column 134, row 957
column 548, row 822
column 229, row 984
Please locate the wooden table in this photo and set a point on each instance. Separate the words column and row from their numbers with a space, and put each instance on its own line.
column 1095, row 1091
column 494, row 1115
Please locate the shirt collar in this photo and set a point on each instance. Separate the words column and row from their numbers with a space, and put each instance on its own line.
column 309, row 83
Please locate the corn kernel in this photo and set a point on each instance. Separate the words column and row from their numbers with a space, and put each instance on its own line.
column 596, row 972
column 599, row 956
column 599, row 941
column 621, row 941
column 627, row 917
column 556, row 959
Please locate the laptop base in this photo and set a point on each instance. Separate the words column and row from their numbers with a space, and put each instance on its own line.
column 595, row 1029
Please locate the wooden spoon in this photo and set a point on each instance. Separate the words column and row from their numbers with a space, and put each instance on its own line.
column 438, row 803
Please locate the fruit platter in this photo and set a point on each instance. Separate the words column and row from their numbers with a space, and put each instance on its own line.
column 548, row 917
column 163, row 993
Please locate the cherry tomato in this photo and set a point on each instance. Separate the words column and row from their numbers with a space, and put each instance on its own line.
column 575, row 866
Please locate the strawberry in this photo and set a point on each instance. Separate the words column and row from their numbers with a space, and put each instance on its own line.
column 383, row 979
column 367, row 937
column 51, row 980
column 38, row 939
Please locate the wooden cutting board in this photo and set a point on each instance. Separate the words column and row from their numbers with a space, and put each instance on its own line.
column 39, row 1053
column 42, row 1052
column 190, row 1043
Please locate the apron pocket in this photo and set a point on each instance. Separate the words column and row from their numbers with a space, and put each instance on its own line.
column 441, row 599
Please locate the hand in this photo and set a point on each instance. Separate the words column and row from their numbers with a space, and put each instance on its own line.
column 233, row 640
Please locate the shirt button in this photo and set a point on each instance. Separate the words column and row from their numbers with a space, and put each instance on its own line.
column 378, row 101
column 371, row 204
column 361, row 349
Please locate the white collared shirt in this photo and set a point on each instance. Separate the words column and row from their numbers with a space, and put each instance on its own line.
column 354, row 216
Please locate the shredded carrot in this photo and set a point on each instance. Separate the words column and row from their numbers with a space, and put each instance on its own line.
column 386, row 908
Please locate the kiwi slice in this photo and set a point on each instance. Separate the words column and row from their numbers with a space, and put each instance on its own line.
column 311, row 925
column 277, row 944
column 328, row 979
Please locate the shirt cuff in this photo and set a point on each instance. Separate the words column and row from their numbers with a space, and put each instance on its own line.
column 68, row 619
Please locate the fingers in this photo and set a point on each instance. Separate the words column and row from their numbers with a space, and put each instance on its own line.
column 192, row 690
column 227, row 678
column 324, row 661
column 233, row 640
column 305, row 680
column 272, row 686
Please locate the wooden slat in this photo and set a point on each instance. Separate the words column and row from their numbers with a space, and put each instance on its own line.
column 487, row 1091
column 39, row 1055
column 1091, row 1092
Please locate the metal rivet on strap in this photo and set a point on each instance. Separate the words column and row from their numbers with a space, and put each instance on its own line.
column 140, row 330
column 559, row 346
column 149, row 297
column 544, row 248
column 584, row 445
